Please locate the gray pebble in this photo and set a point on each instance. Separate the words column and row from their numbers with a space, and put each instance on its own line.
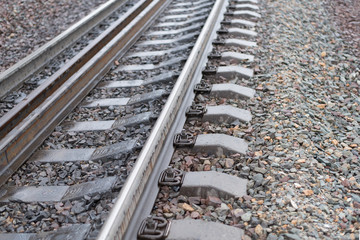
column 246, row 217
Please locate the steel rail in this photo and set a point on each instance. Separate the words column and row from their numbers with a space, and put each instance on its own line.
column 15, row 75
column 141, row 186
column 20, row 142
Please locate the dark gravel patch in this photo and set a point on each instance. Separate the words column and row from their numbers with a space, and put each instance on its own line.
column 27, row 25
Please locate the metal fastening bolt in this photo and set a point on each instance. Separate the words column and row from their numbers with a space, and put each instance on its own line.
column 218, row 42
column 202, row 87
column 214, row 55
column 153, row 228
column 222, row 31
column 209, row 70
column 196, row 111
column 184, row 139
column 225, row 23
column 171, row 177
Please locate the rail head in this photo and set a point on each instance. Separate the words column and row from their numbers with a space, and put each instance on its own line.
column 117, row 224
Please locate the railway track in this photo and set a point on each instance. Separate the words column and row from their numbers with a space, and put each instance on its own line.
column 127, row 113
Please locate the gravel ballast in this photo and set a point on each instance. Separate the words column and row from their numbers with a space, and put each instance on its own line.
column 308, row 137
column 346, row 15
column 27, row 25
